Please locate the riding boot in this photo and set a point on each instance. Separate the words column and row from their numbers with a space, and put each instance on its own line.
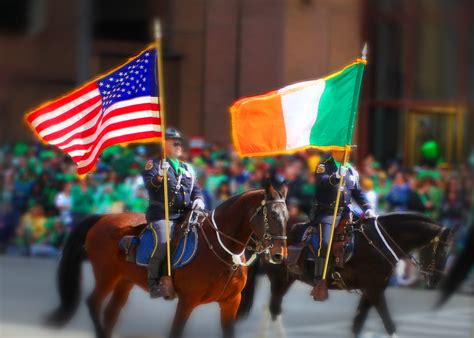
column 320, row 290
column 166, row 287
column 154, row 276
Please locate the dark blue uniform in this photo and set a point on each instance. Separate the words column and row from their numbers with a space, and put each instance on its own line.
column 327, row 183
column 182, row 190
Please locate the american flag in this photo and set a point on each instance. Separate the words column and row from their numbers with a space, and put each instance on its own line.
column 121, row 106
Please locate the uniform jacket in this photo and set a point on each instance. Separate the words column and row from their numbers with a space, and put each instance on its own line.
column 182, row 190
column 326, row 188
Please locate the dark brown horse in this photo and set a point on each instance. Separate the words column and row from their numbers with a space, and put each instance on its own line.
column 370, row 267
column 212, row 276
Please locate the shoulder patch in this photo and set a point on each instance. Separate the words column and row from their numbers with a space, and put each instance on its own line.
column 320, row 169
column 149, row 165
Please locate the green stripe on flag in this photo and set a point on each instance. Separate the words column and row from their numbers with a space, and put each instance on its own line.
column 337, row 108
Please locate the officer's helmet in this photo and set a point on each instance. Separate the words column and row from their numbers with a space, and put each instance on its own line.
column 172, row 133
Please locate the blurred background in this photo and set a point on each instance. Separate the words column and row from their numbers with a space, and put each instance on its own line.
column 415, row 150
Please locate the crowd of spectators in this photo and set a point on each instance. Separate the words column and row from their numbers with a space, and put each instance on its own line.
column 42, row 198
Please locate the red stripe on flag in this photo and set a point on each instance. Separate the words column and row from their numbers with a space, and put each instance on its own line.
column 48, row 107
column 116, row 140
column 112, row 127
column 57, row 134
column 69, row 114
column 82, row 134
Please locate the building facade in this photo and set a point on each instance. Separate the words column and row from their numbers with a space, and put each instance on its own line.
column 419, row 82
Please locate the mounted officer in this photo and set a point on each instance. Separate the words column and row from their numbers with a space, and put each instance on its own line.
column 327, row 176
column 183, row 194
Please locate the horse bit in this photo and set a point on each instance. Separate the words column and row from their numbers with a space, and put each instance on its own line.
column 259, row 244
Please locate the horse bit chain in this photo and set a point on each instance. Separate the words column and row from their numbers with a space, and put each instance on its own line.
column 267, row 236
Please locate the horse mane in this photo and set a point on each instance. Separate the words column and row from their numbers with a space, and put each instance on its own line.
column 411, row 215
column 232, row 199
column 400, row 220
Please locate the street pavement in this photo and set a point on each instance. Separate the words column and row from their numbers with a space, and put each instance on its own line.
column 28, row 292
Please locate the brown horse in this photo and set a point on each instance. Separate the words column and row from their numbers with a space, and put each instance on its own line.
column 212, row 276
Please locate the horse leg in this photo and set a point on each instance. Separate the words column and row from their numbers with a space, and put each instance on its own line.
column 279, row 287
column 103, row 287
column 280, row 282
column 228, row 314
column 116, row 303
column 183, row 311
column 361, row 315
column 382, row 309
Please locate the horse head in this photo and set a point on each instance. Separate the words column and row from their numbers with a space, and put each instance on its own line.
column 433, row 257
column 269, row 221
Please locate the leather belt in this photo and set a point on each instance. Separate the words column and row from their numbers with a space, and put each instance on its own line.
column 171, row 209
column 320, row 207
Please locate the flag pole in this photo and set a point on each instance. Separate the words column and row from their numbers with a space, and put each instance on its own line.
column 336, row 207
column 347, row 150
column 161, row 98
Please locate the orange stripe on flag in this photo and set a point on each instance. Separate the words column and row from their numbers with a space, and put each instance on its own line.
column 258, row 124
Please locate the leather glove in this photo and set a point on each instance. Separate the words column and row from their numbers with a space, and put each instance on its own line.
column 198, row 204
column 370, row 213
column 164, row 168
column 342, row 171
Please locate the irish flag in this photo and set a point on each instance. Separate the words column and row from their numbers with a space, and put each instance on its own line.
column 313, row 114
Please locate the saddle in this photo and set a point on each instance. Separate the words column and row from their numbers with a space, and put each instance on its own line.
column 139, row 248
column 305, row 245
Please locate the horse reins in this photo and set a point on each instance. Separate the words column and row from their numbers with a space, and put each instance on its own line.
column 259, row 246
column 435, row 241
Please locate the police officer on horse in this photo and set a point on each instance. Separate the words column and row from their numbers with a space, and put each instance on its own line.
column 183, row 194
column 327, row 177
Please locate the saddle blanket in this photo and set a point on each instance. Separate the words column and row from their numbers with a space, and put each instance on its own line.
column 144, row 244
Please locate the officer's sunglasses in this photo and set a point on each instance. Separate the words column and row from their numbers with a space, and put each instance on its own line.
column 177, row 144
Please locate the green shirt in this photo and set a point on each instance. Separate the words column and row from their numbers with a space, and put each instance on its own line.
column 82, row 202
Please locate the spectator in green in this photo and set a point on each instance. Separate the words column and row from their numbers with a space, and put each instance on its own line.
column 82, row 201
column 107, row 194
column 430, row 195
column 140, row 201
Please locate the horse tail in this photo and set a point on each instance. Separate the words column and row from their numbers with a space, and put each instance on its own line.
column 248, row 292
column 459, row 270
column 69, row 273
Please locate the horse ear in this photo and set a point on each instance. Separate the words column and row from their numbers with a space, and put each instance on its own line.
column 267, row 185
column 276, row 185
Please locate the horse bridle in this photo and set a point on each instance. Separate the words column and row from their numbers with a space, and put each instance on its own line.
column 259, row 246
column 267, row 236
column 431, row 269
